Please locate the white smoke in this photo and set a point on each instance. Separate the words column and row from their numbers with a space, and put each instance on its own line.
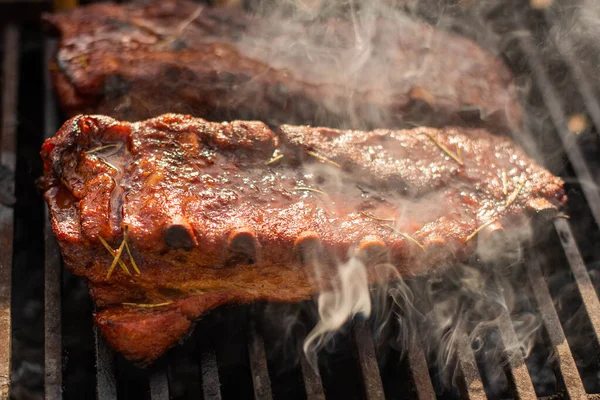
column 472, row 298
column 350, row 296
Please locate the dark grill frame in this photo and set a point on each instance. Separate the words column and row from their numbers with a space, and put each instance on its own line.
column 471, row 385
column 8, row 159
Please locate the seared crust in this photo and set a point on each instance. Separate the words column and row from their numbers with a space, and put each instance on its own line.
column 137, row 61
column 212, row 218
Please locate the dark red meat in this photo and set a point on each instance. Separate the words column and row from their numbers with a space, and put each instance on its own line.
column 140, row 60
column 211, row 215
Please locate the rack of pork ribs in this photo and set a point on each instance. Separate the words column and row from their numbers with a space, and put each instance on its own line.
column 136, row 61
column 171, row 217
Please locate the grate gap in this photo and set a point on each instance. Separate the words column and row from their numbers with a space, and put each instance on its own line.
column 486, row 349
column 339, row 367
column 397, row 379
column 231, row 350
column 184, row 372
column 442, row 391
column 28, row 255
column 132, row 382
column 77, row 338
column 544, row 371
column 278, row 324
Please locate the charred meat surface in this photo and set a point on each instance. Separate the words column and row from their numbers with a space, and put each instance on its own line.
column 137, row 61
column 171, row 217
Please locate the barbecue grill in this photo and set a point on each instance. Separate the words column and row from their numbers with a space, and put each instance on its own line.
column 238, row 352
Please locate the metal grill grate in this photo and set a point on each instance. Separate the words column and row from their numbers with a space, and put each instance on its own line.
column 212, row 377
column 10, row 67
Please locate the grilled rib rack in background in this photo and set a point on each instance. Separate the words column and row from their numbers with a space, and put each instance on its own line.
column 234, row 352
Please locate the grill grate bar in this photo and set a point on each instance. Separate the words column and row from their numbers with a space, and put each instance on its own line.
column 563, row 356
column 420, row 372
column 517, row 369
column 471, row 384
column 258, row 365
column 368, row 362
column 52, row 263
column 159, row 384
column 582, row 278
column 312, row 377
column 10, row 77
column 551, row 99
column 106, row 383
column 211, row 385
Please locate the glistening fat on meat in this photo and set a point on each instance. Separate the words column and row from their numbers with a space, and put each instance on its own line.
column 222, row 213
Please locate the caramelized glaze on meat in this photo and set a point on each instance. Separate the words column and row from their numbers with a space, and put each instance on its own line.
column 218, row 213
column 137, row 61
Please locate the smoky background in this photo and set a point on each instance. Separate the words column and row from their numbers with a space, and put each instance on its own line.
column 467, row 307
column 432, row 311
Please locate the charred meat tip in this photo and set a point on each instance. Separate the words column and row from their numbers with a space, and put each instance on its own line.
column 178, row 236
column 492, row 233
column 494, row 227
column 307, row 247
column 440, row 252
column 435, row 244
column 87, row 125
column 242, row 246
column 422, row 94
column 539, row 204
column 543, row 208
column 372, row 250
